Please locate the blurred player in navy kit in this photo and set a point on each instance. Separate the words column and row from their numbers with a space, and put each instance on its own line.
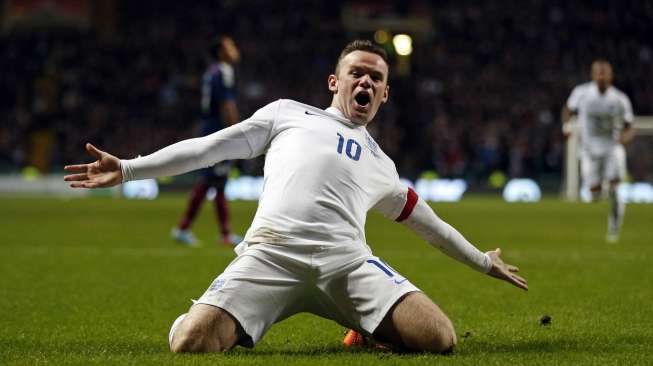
column 218, row 111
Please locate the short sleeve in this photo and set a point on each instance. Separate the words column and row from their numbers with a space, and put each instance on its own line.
column 628, row 116
column 398, row 204
column 258, row 128
column 574, row 98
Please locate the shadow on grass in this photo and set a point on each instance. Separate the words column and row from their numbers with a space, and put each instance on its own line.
column 321, row 351
column 134, row 347
column 293, row 351
column 91, row 348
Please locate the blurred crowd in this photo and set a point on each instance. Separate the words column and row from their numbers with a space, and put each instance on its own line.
column 483, row 94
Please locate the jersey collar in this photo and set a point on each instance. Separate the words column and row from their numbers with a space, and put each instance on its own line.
column 595, row 86
column 335, row 111
column 341, row 116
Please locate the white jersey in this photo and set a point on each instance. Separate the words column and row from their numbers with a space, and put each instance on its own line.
column 601, row 116
column 322, row 174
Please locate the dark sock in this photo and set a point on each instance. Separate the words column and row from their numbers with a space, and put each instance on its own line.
column 197, row 196
column 222, row 212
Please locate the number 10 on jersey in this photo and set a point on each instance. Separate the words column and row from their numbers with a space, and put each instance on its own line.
column 353, row 148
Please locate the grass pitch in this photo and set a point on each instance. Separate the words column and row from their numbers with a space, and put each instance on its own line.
column 98, row 281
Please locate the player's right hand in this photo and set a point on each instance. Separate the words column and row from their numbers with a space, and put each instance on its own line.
column 104, row 172
column 504, row 271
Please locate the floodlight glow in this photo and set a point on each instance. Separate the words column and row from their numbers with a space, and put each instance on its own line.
column 381, row 36
column 403, row 44
column 441, row 190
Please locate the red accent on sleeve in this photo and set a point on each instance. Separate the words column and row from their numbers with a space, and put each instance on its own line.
column 411, row 201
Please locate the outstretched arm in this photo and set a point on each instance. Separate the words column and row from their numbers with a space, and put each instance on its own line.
column 179, row 158
column 244, row 140
column 443, row 236
column 192, row 154
column 104, row 172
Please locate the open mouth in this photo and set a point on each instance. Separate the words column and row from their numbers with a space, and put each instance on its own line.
column 362, row 99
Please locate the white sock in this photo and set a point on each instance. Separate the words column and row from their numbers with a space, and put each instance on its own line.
column 617, row 211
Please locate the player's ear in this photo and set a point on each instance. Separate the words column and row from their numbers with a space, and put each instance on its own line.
column 333, row 83
column 386, row 94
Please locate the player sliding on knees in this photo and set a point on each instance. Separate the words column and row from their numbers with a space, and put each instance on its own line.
column 305, row 250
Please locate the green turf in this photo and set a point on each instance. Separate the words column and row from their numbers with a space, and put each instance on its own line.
column 98, row 281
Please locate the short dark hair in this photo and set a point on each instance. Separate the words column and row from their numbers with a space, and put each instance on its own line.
column 362, row 45
column 214, row 46
column 601, row 60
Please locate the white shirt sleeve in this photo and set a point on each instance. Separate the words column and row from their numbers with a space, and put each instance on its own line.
column 574, row 98
column 628, row 116
column 402, row 204
column 443, row 236
column 244, row 140
column 393, row 203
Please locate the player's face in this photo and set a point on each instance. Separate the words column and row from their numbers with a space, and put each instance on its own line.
column 229, row 51
column 360, row 86
column 602, row 74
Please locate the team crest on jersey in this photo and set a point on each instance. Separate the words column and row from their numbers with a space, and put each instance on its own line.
column 217, row 284
column 372, row 145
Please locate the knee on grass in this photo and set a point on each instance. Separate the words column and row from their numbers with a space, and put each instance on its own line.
column 194, row 341
column 442, row 337
column 190, row 337
column 437, row 336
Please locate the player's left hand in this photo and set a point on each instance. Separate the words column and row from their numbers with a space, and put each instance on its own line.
column 505, row 271
column 104, row 172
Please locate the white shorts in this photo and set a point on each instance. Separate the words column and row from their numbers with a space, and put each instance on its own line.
column 609, row 166
column 268, row 283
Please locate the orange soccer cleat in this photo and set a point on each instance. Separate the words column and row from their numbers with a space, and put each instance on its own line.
column 355, row 339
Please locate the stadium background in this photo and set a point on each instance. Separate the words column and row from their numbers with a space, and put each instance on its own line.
column 99, row 281
column 481, row 92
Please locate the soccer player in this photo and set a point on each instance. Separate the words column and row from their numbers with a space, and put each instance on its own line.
column 606, row 118
column 218, row 110
column 306, row 250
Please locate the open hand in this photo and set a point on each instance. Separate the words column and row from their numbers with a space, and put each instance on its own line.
column 104, row 172
column 505, row 271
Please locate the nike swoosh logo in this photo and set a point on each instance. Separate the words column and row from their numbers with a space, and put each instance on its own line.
column 312, row 114
column 400, row 281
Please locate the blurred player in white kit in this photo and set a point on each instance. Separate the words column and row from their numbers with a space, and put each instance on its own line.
column 606, row 116
column 306, row 250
